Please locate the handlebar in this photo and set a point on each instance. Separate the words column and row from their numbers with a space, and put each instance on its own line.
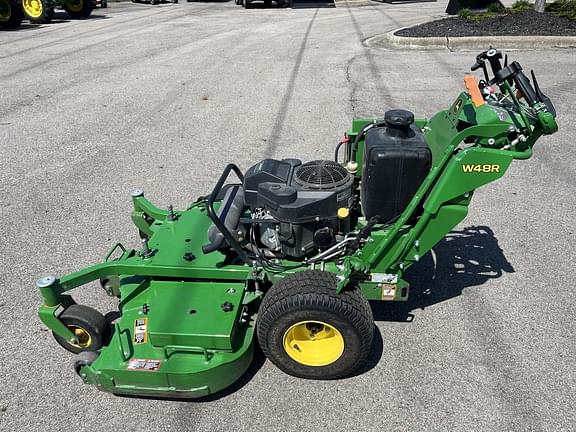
column 506, row 75
column 216, row 219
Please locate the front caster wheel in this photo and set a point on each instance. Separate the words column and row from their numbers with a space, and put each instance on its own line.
column 89, row 326
column 85, row 358
column 309, row 331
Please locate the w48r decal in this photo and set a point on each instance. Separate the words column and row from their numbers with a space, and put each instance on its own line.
column 481, row 168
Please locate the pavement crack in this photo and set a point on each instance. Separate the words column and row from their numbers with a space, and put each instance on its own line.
column 352, row 99
column 276, row 133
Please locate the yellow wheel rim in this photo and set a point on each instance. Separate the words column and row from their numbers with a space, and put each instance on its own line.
column 313, row 343
column 84, row 338
column 5, row 11
column 76, row 7
column 33, row 8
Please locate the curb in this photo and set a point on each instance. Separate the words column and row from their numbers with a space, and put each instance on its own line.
column 354, row 3
column 471, row 42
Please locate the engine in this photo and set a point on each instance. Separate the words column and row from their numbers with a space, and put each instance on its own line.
column 286, row 208
column 297, row 208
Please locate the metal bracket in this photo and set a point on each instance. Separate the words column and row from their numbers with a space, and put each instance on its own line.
column 387, row 278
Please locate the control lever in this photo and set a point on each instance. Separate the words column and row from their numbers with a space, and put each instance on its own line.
column 542, row 97
column 514, row 71
column 480, row 64
column 493, row 56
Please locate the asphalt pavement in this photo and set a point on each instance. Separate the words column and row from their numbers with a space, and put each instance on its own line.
column 163, row 97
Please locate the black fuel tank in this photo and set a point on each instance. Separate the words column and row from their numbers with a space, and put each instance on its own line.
column 396, row 161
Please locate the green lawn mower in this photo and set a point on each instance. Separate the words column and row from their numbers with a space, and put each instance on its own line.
column 11, row 14
column 289, row 253
column 42, row 11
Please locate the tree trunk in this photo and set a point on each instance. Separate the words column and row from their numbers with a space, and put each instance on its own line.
column 539, row 5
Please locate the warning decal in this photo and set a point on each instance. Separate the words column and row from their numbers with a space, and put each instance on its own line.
column 140, row 333
column 144, row 364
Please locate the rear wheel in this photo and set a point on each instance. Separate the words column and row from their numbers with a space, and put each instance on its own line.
column 11, row 14
column 38, row 11
column 309, row 331
column 79, row 8
column 88, row 325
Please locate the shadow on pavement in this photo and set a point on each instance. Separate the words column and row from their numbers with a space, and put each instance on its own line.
column 464, row 259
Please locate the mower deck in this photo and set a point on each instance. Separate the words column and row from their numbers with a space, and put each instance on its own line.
column 186, row 346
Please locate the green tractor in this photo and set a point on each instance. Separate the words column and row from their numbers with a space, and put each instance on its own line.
column 290, row 253
column 11, row 14
column 42, row 11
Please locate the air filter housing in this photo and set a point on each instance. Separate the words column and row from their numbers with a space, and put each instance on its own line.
column 321, row 174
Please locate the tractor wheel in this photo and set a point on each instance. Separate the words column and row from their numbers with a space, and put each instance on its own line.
column 89, row 326
column 79, row 8
column 11, row 14
column 309, row 331
column 38, row 11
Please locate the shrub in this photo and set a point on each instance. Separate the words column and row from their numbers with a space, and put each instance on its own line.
column 522, row 5
column 564, row 8
column 465, row 13
column 495, row 8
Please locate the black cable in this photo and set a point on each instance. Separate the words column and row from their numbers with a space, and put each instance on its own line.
column 367, row 230
column 361, row 134
column 337, row 151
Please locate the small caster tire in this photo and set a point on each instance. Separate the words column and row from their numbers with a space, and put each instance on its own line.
column 85, row 358
column 89, row 326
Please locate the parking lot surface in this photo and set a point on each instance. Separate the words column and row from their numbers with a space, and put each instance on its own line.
column 163, row 98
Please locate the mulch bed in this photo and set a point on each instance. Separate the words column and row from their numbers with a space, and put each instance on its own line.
column 527, row 23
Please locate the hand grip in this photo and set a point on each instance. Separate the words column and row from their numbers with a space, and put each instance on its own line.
column 523, row 84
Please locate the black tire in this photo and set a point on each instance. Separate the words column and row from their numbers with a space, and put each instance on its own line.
column 85, row 358
column 81, row 10
column 13, row 14
column 306, row 299
column 38, row 11
column 267, row 3
column 88, row 324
